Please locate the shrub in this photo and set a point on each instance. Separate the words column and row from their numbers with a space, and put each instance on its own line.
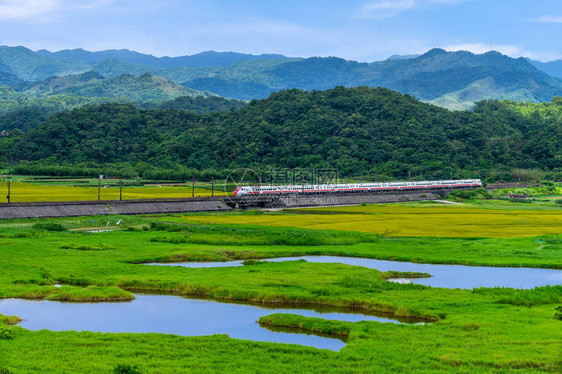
column 6, row 334
column 160, row 226
column 558, row 314
column 84, row 247
column 126, row 369
column 477, row 194
column 49, row 226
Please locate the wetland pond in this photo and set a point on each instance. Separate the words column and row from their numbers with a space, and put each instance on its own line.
column 178, row 315
column 444, row 276
column 196, row 317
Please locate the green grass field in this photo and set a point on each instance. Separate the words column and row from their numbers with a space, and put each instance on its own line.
column 483, row 330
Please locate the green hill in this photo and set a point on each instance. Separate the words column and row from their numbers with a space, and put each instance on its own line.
column 30, row 66
column 357, row 130
column 63, row 93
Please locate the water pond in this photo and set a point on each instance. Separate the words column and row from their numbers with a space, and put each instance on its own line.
column 175, row 315
column 444, row 276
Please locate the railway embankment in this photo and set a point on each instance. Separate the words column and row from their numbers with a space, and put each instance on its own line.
column 293, row 201
column 185, row 205
column 88, row 208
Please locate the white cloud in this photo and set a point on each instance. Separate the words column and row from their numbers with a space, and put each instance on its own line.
column 25, row 8
column 14, row 9
column 549, row 19
column 385, row 9
column 390, row 8
column 479, row 48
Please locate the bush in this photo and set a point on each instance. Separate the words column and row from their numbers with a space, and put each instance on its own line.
column 6, row 334
column 126, row 369
column 49, row 226
column 160, row 226
column 84, row 247
column 558, row 314
column 477, row 194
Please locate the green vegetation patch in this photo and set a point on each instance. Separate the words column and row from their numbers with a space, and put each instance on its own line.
column 9, row 320
column 307, row 324
column 405, row 274
column 49, row 226
column 234, row 235
column 84, row 247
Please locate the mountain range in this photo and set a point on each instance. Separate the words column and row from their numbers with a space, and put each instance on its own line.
column 454, row 80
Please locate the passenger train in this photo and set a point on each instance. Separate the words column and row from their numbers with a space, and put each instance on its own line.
column 357, row 187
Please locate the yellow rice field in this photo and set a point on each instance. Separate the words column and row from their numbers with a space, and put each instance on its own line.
column 27, row 192
column 396, row 220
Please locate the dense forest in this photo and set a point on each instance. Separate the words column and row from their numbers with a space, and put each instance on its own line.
column 369, row 131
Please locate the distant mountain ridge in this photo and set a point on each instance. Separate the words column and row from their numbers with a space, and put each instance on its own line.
column 203, row 59
column 553, row 68
column 455, row 80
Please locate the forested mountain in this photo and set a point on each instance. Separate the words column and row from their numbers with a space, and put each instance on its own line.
column 357, row 130
column 26, row 118
column 454, row 80
column 31, row 66
column 63, row 93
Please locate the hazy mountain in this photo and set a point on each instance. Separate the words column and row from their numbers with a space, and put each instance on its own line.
column 553, row 68
column 436, row 75
column 455, row 80
column 203, row 59
column 403, row 57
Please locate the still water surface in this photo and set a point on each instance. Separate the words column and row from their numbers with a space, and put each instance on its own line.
column 173, row 315
column 445, row 276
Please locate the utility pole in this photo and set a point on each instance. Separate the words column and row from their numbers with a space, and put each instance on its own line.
column 99, row 188
column 409, row 176
column 8, row 192
column 213, row 187
column 193, row 187
column 120, row 189
column 421, row 175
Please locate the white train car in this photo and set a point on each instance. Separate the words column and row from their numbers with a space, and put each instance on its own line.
column 357, row 187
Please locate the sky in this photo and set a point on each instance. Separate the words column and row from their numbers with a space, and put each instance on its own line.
column 361, row 30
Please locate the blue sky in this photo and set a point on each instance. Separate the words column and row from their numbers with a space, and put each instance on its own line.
column 363, row 30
